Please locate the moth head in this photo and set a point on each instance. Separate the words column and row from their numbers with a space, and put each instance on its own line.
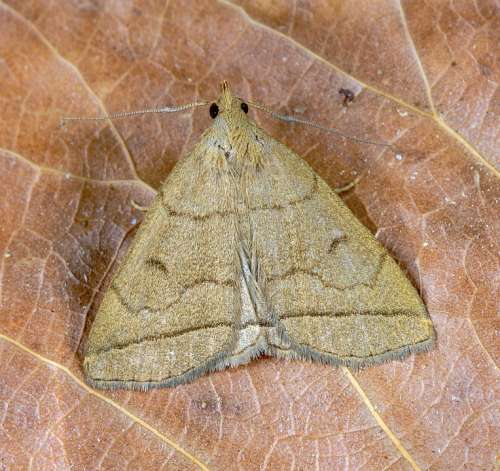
column 228, row 107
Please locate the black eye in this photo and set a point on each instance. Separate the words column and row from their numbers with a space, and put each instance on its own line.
column 214, row 110
column 244, row 107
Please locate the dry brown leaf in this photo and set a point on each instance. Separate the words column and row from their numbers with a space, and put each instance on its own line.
column 425, row 76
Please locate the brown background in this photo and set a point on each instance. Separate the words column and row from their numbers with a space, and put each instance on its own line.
column 425, row 75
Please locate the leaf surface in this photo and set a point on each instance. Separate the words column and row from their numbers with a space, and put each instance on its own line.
column 425, row 78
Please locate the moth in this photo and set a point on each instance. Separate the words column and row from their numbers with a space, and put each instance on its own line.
column 247, row 251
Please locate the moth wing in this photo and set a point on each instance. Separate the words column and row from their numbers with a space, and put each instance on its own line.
column 337, row 294
column 168, row 314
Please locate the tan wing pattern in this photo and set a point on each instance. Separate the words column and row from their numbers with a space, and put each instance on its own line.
column 246, row 251
column 168, row 315
column 337, row 293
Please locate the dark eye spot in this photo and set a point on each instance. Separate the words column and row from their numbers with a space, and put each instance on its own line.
column 244, row 107
column 214, row 110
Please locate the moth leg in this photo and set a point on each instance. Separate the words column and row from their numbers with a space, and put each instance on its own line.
column 347, row 187
column 138, row 206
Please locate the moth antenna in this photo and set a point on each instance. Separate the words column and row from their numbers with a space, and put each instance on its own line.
column 294, row 119
column 126, row 114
